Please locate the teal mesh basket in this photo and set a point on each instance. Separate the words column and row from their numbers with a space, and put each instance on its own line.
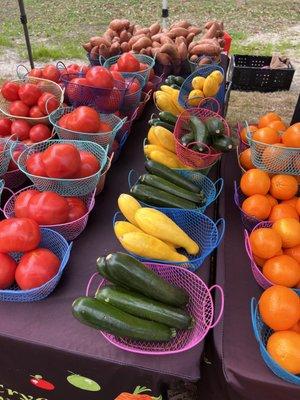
column 274, row 159
column 104, row 139
column 206, row 233
column 142, row 58
column 2, row 182
column 5, row 146
column 65, row 187
column 132, row 100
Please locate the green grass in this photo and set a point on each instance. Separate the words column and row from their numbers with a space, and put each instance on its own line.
column 58, row 28
column 265, row 49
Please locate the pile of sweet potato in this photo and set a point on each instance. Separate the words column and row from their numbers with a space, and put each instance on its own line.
column 170, row 46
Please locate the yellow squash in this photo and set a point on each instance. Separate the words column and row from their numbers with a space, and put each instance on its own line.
column 152, row 139
column 148, row 246
column 156, row 223
column 198, row 82
column 165, row 138
column 128, row 206
column 164, row 102
column 162, row 158
column 211, row 86
column 148, row 148
column 218, row 76
column 122, row 227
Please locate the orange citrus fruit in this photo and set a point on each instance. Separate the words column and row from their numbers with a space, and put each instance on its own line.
column 272, row 200
column 283, row 211
column 243, row 133
column 291, row 202
column 275, row 158
column 265, row 242
column 266, row 119
column 284, row 348
column 291, row 137
column 255, row 181
column 279, row 307
column 296, row 327
column 245, row 159
column 293, row 252
column 259, row 261
column 282, row 270
column 278, row 125
column 266, row 135
column 257, row 206
column 283, row 187
column 298, row 205
column 289, row 231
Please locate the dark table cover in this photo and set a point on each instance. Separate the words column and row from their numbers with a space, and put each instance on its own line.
column 245, row 376
column 43, row 338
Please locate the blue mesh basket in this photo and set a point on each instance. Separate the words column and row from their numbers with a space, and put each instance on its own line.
column 59, row 246
column 5, row 147
column 211, row 190
column 206, row 233
column 142, row 58
column 132, row 100
column 104, row 139
column 65, row 187
column 187, row 85
column 121, row 143
column 2, row 182
column 262, row 333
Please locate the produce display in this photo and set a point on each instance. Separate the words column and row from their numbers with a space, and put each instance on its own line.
column 139, row 305
column 23, row 131
column 53, row 73
column 205, row 87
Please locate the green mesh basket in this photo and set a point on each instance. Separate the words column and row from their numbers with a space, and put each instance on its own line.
column 104, row 139
column 274, row 159
column 65, row 187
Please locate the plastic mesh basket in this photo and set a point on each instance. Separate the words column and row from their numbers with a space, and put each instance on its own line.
column 200, row 306
column 206, row 233
column 262, row 333
column 186, row 87
column 102, row 179
column 132, row 97
column 142, row 58
column 5, row 146
column 210, row 189
column 66, row 187
column 2, row 183
column 274, row 159
column 187, row 156
column 240, row 148
column 58, row 245
column 121, row 143
column 104, row 139
column 69, row 230
column 45, row 86
column 144, row 100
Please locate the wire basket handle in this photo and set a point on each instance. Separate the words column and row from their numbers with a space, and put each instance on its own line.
column 22, row 75
column 219, row 183
column 220, row 225
column 116, row 217
column 132, row 175
column 236, row 194
column 208, row 153
column 253, row 306
column 102, row 60
column 89, row 284
column 247, row 245
column 212, row 104
column 218, row 287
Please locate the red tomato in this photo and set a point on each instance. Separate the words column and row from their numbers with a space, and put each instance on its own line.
column 63, row 121
column 39, row 132
column 71, row 69
column 47, row 103
column 117, row 76
column 51, row 72
column 5, row 127
column 12, row 166
column 36, row 268
column 35, row 112
column 133, row 86
column 18, row 108
column 128, row 63
column 20, row 129
column 36, row 72
column 104, row 127
column 84, row 119
column 48, row 208
column 61, row 161
column 100, row 77
column 10, row 91
column 77, row 208
column 114, row 67
column 19, row 235
column 35, row 165
column 29, row 94
column 7, row 271
column 75, row 88
column 89, row 164
column 22, row 201
column 110, row 103
column 149, row 87
column 143, row 66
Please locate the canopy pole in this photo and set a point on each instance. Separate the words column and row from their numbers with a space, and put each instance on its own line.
column 23, row 20
column 165, row 13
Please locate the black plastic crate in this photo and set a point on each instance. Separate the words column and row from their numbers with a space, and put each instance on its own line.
column 248, row 74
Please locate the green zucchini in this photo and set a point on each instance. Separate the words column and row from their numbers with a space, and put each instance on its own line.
column 223, row 143
column 168, row 117
column 170, row 175
column 201, row 134
column 158, row 122
column 101, row 266
column 143, row 307
column 214, row 126
column 157, row 197
column 170, row 79
column 187, row 138
column 137, row 276
column 169, row 187
column 103, row 316
column 178, row 80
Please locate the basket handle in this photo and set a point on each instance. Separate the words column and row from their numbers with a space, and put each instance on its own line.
column 210, row 101
column 253, row 306
column 88, row 286
column 116, row 217
column 220, row 225
column 61, row 65
column 247, row 245
column 21, row 75
column 236, row 194
column 218, row 287
column 132, row 175
column 66, row 256
column 102, row 60
column 120, row 124
column 219, row 182
column 1, row 191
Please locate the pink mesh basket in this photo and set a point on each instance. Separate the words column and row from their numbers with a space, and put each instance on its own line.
column 188, row 156
column 200, row 306
column 240, row 148
column 69, row 230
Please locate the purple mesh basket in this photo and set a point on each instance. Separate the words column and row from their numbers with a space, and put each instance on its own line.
column 69, row 230
column 59, row 246
column 200, row 306
column 248, row 221
column 104, row 139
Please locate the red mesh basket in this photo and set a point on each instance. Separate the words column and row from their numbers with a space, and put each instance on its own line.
column 187, row 156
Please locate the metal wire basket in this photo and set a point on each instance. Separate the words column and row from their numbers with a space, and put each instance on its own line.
column 5, row 157
column 132, row 98
column 201, row 307
column 142, row 58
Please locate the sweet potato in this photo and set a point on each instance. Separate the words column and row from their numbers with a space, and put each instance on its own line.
column 145, row 31
column 192, row 45
column 117, row 25
column 125, row 47
column 148, row 51
column 195, row 30
column 104, row 50
column 175, row 32
column 164, row 39
column 156, row 38
column 154, row 29
column 182, row 51
column 116, row 40
column 125, row 36
column 156, row 44
column 114, row 49
column 190, row 38
column 205, row 61
column 181, row 24
column 155, row 51
column 163, row 58
column 180, row 40
column 134, row 39
column 87, row 46
column 95, row 52
column 98, row 40
column 131, row 28
column 207, row 49
column 194, row 58
column 136, row 28
column 211, row 32
column 142, row 43
column 221, row 43
column 170, row 49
